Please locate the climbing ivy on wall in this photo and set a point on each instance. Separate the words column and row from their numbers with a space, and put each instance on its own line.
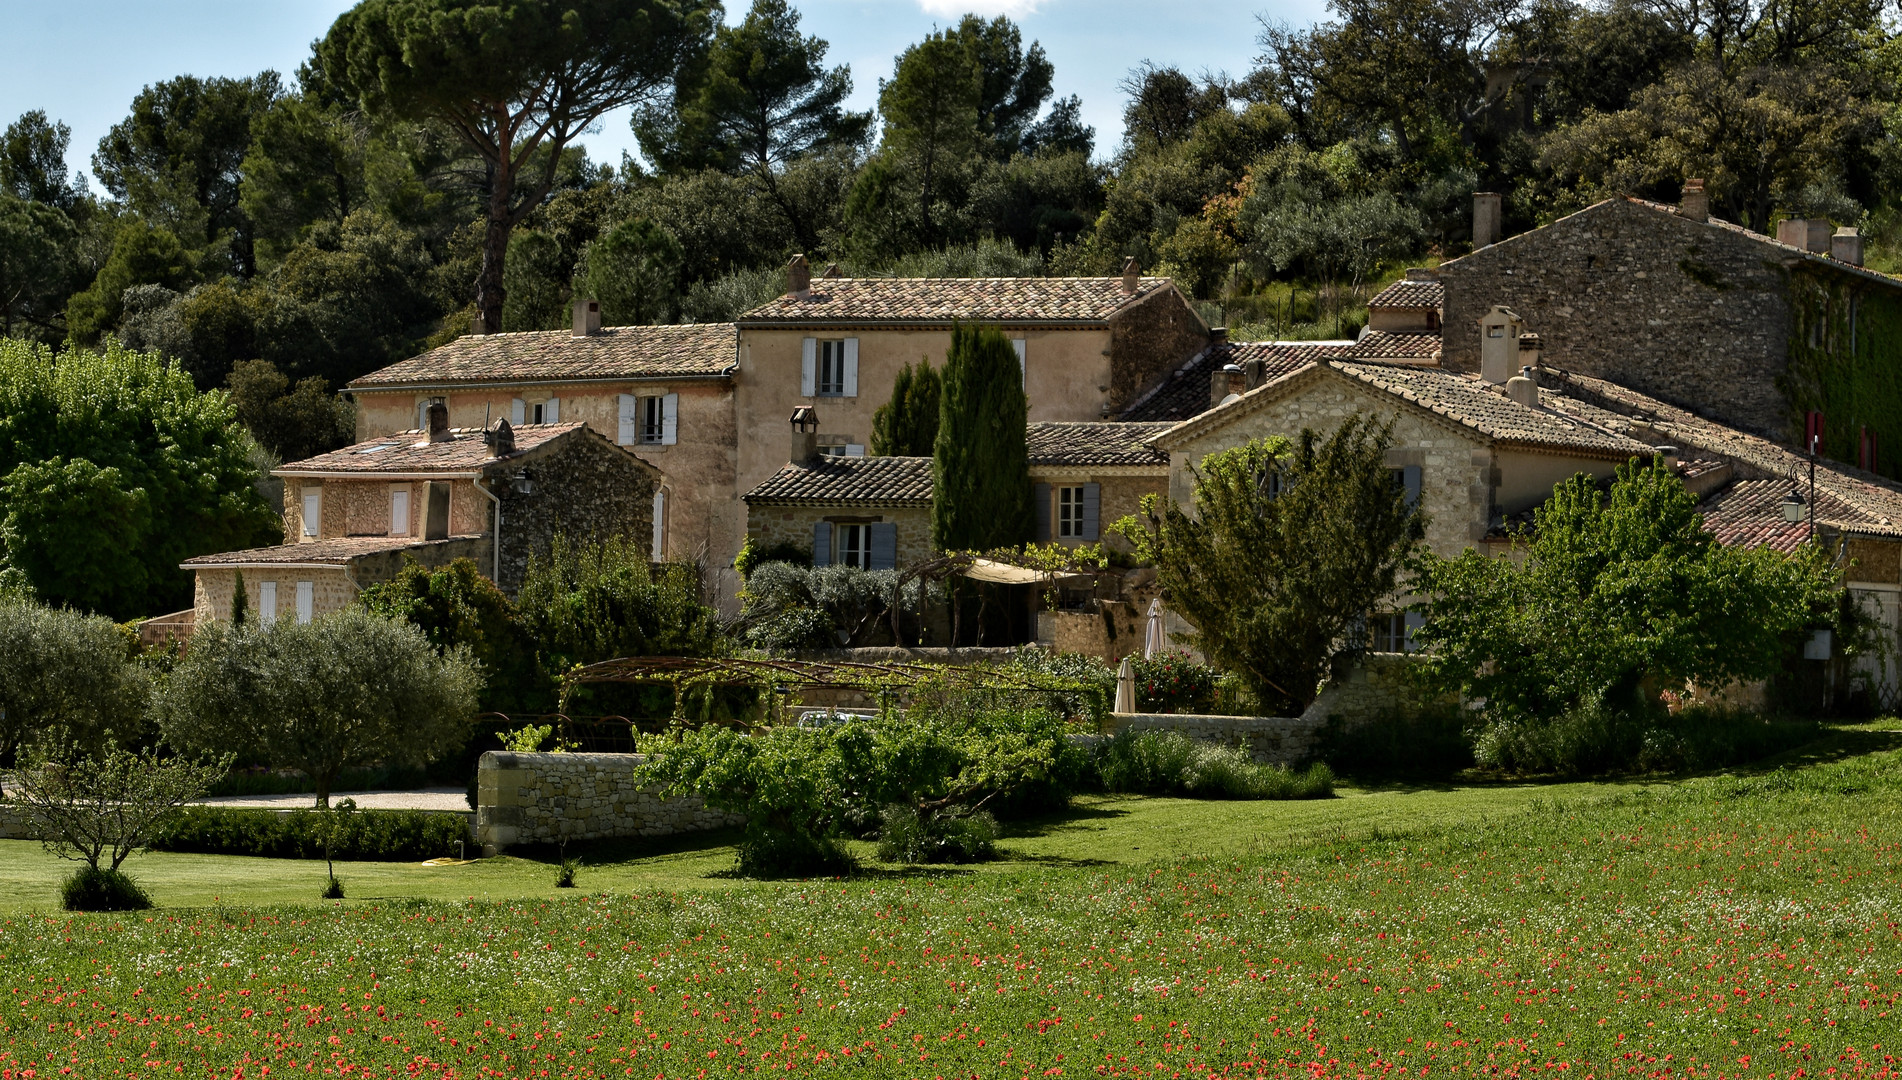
column 1846, row 362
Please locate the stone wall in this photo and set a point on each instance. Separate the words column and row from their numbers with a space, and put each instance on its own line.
column 1694, row 313
column 770, row 525
column 1269, row 740
column 212, row 589
column 584, row 488
column 1148, row 342
column 549, row 798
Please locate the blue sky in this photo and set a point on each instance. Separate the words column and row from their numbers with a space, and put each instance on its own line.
column 83, row 60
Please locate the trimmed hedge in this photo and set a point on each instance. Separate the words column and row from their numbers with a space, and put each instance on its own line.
column 368, row 835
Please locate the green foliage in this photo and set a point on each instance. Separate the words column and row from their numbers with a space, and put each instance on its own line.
column 1172, row 682
column 333, row 889
column 752, row 556
column 634, row 271
column 906, row 835
column 1095, row 681
column 980, row 467
column 292, row 423
column 365, row 836
column 33, row 162
column 565, row 873
column 94, row 807
column 70, row 680
column 93, row 888
column 582, row 604
column 456, row 607
column 1403, row 744
column 113, row 470
column 1841, row 373
column 907, row 425
column 39, row 269
column 1613, row 599
column 348, row 688
column 1153, row 762
column 1291, row 544
column 930, row 108
column 142, row 254
column 791, row 607
column 240, row 600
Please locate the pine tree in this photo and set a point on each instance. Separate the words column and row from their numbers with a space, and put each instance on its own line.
column 981, row 459
column 240, row 603
column 907, row 425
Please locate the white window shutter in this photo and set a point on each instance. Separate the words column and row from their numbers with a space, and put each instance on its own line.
column 670, row 419
column 518, row 412
column 854, row 449
column 422, row 414
column 625, row 434
column 1018, row 344
column 809, row 367
column 267, row 602
column 851, row 367
column 399, row 511
column 660, row 524
column 313, row 513
column 306, row 601
column 552, row 415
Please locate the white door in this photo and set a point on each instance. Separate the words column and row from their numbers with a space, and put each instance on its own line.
column 399, row 511
column 267, row 602
column 306, row 600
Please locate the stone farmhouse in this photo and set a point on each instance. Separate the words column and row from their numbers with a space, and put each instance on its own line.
column 352, row 517
column 1749, row 330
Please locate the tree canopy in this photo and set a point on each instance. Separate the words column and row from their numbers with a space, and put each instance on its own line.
column 980, row 467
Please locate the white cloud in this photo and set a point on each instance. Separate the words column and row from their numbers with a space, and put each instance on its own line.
column 952, row 9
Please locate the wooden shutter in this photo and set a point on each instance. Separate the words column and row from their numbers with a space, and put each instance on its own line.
column 313, row 513
column 1040, row 494
column 267, row 602
column 1018, row 345
column 518, row 412
column 851, row 367
column 399, row 511
column 809, row 367
column 669, row 419
column 552, row 414
column 884, row 546
column 660, row 524
column 822, row 543
column 1092, row 511
column 306, row 601
column 625, row 432
column 1412, row 481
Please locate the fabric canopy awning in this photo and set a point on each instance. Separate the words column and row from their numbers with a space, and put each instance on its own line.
column 1001, row 573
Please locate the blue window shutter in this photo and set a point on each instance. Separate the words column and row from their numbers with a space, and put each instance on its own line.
column 1040, row 494
column 1415, row 621
column 822, row 543
column 884, row 554
column 1413, row 487
column 1092, row 511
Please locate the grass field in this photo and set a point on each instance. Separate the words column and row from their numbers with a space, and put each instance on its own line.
column 1728, row 926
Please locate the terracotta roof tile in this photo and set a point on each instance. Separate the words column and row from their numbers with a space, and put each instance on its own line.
column 1485, row 408
column 334, row 552
column 616, row 352
column 1749, row 513
column 1410, row 294
column 1384, row 345
column 1185, row 392
column 950, row 299
column 849, row 481
column 410, row 452
column 1100, row 443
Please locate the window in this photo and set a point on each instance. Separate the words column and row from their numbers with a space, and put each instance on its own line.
column 1069, row 513
column 399, row 511
column 1392, row 632
column 267, row 602
column 523, row 411
column 1407, row 480
column 422, row 410
column 653, row 419
column 831, row 369
column 306, row 600
column 840, row 446
column 853, row 546
column 313, row 511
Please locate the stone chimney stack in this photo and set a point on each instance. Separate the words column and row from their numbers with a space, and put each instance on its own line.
column 501, row 439
column 1524, row 388
column 1810, row 234
column 799, row 275
column 1499, row 331
column 805, row 436
column 1531, row 348
column 1218, row 336
column 1486, row 219
column 438, row 416
column 1224, row 382
column 1132, row 276
column 1846, row 246
column 587, row 317
column 832, row 272
column 1695, row 202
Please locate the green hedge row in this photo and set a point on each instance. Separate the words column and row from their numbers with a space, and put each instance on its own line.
column 371, row 835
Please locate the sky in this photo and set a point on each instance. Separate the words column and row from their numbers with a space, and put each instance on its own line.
column 83, row 60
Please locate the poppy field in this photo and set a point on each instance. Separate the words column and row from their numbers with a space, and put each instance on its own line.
column 1713, row 928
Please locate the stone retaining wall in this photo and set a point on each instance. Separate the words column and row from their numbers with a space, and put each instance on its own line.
column 1269, row 740
column 548, row 798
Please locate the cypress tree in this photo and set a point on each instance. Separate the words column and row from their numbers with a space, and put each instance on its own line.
column 907, row 425
column 240, row 603
column 981, row 461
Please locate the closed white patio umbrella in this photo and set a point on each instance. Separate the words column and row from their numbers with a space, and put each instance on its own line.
column 1153, row 639
column 1125, row 687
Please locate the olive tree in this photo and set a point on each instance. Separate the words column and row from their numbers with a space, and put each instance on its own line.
column 349, row 688
column 67, row 676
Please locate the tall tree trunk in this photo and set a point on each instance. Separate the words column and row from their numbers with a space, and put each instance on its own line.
column 495, row 245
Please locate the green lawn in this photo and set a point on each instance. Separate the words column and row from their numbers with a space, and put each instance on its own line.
column 1725, row 926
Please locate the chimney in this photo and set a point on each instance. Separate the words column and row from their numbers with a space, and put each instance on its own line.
column 1420, row 273
column 832, row 272
column 1218, row 336
column 501, row 440
column 1224, row 382
column 1524, row 388
column 1254, row 373
column 587, row 317
column 799, row 275
column 438, row 415
column 1531, row 348
column 1132, row 276
column 436, row 511
column 1499, row 331
column 1695, row 201
column 477, row 326
column 1810, row 234
column 805, row 436
column 1486, row 208
column 1846, row 246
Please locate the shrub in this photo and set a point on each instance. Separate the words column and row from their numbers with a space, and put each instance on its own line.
column 1152, row 762
column 96, row 888
column 909, row 836
column 1092, row 703
column 370, row 836
column 333, row 889
column 565, row 873
column 791, row 607
column 1429, row 743
column 1596, row 738
column 1173, row 683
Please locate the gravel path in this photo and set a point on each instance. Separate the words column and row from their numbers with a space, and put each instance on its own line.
column 434, row 798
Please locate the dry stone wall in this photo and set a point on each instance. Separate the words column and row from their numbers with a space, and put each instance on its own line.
column 549, row 798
